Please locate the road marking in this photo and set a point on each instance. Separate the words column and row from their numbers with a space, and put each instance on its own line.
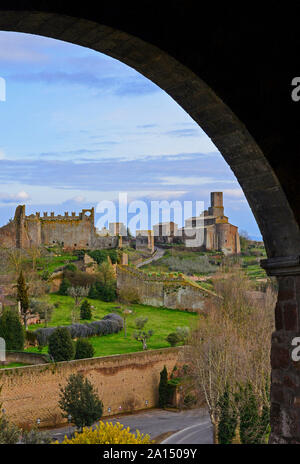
column 184, row 430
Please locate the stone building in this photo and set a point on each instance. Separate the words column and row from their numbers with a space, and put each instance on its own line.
column 145, row 240
column 209, row 231
column 70, row 231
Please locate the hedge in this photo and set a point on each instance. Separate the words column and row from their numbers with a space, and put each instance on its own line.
column 111, row 323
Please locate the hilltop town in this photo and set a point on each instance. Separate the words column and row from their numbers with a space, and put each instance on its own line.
column 209, row 231
column 122, row 300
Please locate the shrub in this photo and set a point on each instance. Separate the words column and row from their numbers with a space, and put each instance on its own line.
column 61, row 347
column 11, row 330
column 99, row 291
column 173, row 338
column 84, row 349
column 9, row 433
column 35, row 437
column 85, row 310
column 183, row 333
column 100, row 256
column 64, row 286
column 108, row 433
column 128, row 295
column 111, row 323
column 70, row 267
column 80, row 399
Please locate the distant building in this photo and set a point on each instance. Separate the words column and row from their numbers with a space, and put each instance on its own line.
column 117, row 228
column 211, row 230
column 145, row 240
column 165, row 232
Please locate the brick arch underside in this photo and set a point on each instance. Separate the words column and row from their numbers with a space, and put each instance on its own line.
column 261, row 187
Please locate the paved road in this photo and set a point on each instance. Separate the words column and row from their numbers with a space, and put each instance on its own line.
column 159, row 254
column 198, row 434
column 157, row 421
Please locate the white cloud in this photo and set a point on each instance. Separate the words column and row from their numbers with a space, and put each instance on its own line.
column 14, row 198
column 193, row 180
column 2, row 154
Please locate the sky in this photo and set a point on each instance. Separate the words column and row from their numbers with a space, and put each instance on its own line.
column 78, row 127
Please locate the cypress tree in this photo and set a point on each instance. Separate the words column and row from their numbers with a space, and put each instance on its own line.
column 228, row 418
column 163, row 389
column 64, row 286
column 85, row 310
column 250, row 421
column 22, row 296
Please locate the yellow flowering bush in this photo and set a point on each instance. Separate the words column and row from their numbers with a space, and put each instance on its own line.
column 107, row 434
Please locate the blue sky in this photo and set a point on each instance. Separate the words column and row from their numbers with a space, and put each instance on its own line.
column 78, row 127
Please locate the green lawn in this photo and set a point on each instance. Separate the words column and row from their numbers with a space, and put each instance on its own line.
column 13, row 364
column 51, row 263
column 161, row 320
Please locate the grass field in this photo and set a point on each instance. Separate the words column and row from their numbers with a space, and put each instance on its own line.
column 14, row 364
column 51, row 263
column 161, row 320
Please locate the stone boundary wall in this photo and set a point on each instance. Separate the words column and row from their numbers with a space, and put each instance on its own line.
column 26, row 358
column 127, row 380
column 166, row 291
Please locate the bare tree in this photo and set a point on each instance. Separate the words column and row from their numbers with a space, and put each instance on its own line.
column 78, row 293
column 231, row 344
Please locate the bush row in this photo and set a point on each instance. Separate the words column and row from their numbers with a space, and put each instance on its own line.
column 111, row 323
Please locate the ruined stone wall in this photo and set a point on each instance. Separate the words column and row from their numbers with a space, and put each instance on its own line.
column 8, row 235
column 71, row 232
column 32, row 392
column 173, row 293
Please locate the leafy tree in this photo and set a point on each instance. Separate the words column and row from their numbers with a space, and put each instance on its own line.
column 140, row 322
column 85, row 310
column 80, row 399
column 61, row 346
column 22, row 296
column 173, row 338
column 64, row 286
column 183, row 333
column 143, row 336
column 84, row 349
column 228, row 418
column 11, row 330
column 163, row 389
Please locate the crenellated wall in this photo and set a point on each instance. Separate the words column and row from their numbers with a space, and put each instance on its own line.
column 169, row 292
column 71, row 231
